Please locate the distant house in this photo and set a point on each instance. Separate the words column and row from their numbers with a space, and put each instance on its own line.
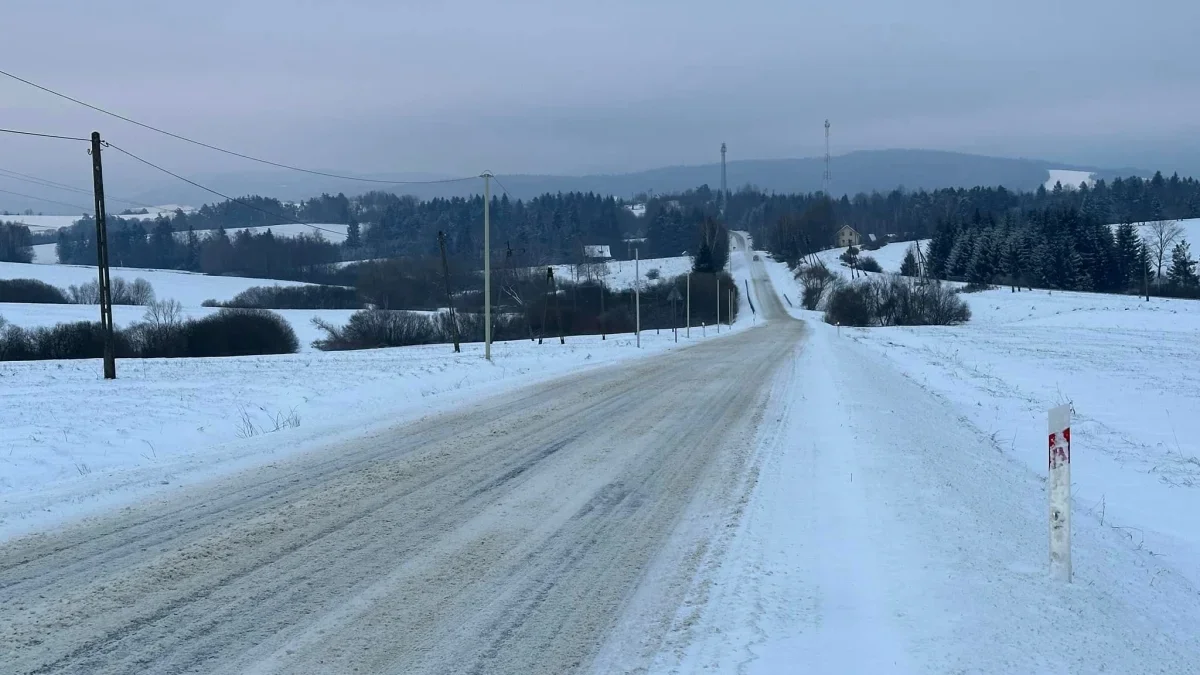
column 872, row 238
column 847, row 236
column 601, row 252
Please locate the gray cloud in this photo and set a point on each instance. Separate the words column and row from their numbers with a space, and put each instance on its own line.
column 554, row 87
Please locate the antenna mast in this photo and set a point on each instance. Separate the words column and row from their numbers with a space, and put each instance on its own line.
column 724, row 189
column 828, row 176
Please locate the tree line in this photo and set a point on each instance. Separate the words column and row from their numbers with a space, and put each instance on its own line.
column 16, row 243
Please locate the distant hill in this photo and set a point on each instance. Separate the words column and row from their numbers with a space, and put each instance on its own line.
column 864, row 171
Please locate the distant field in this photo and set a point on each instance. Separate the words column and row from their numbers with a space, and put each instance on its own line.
column 890, row 257
column 189, row 288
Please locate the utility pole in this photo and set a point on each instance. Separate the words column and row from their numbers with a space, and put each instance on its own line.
column 487, row 265
column 449, row 293
column 828, row 177
column 689, row 305
column 729, row 308
column 718, row 304
column 637, row 297
column 546, row 304
column 562, row 334
column 1143, row 260
column 106, row 318
column 602, row 335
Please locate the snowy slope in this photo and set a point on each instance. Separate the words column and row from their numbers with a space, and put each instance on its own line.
column 1190, row 227
column 45, row 254
column 621, row 274
column 1069, row 178
column 39, row 223
column 333, row 232
column 189, row 288
column 889, row 257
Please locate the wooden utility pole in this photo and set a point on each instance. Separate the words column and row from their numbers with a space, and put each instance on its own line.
column 106, row 320
column 487, row 265
column 546, row 303
column 718, row 304
column 449, row 293
column 562, row 336
column 602, row 335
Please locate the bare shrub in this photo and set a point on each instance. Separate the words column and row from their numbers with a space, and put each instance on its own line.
column 896, row 301
column 140, row 292
column 240, row 332
column 815, row 280
column 161, row 333
column 293, row 297
column 868, row 264
column 374, row 328
column 31, row 291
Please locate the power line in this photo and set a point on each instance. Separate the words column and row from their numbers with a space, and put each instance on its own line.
column 43, row 182
column 48, row 201
column 502, row 187
column 34, row 133
column 220, row 194
column 228, row 152
column 46, row 182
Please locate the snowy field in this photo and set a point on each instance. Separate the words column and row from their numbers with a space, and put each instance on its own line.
column 1130, row 369
column 33, row 316
column 169, row 422
column 38, row 223
column 57, row 222
column 889, row 257
column 1069, row 178
column 45, row 254
column 1191, row 233
column 189, row 288
column 621, row 274
column 333, row 232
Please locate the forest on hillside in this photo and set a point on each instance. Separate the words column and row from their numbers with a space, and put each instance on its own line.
column 554, row 228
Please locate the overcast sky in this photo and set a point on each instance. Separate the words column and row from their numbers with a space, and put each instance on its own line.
column 564, row 87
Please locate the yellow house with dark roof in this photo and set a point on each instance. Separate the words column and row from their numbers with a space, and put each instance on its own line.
column 847, row 236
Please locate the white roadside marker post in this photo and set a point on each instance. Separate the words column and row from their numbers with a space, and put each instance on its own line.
column 637, row 296
column 689, row 305
column 1060, row 492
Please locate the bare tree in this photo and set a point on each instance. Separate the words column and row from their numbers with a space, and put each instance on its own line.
column 1162, row 237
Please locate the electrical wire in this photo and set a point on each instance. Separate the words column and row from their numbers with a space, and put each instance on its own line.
column 220, row 194
column 83, row 209
column 46, row 182
column 223, row 150
column 43, row 182
column 34, row 133
column 502, row 187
